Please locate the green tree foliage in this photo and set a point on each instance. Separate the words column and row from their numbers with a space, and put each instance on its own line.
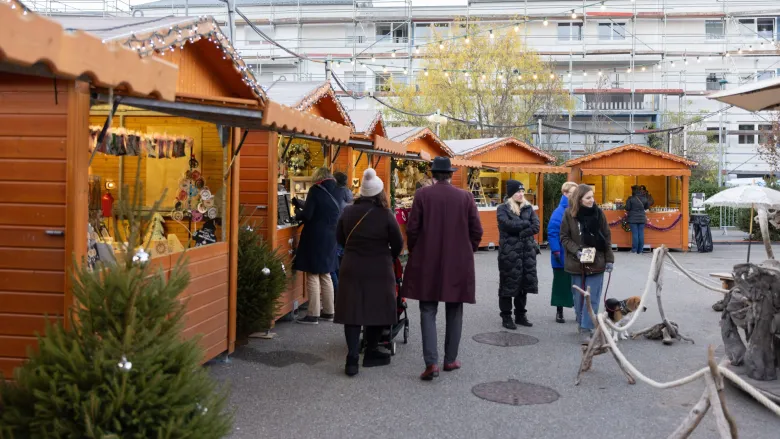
column 121, row 370
column 261, row 280
column 495, row 81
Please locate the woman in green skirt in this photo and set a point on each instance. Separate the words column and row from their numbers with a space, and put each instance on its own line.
column 561, row 287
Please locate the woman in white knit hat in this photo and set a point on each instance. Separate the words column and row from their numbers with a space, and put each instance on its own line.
column 372, row 239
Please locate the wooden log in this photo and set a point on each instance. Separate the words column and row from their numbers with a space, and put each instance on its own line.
column 761, row 286
column 694, row 417
column 726, row 424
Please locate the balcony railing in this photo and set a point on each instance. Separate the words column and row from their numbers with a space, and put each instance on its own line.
column 611, row 104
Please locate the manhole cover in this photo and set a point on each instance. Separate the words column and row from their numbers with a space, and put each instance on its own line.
column 276, row 358
column 505, row 339
column 515, row 392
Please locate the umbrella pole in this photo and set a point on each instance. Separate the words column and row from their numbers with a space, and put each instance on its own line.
column 750, row 234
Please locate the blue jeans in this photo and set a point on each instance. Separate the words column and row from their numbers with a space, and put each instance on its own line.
column 637, row 238
column 595, row 282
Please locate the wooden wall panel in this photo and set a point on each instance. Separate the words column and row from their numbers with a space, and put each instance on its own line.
column 255, row 184
column 508, row 155
column 199, row 75
column 33, row 144
column 632, row 160
column 295, row 289
column 206, row 298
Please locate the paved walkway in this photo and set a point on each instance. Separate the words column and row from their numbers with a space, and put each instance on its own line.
column 294, row 386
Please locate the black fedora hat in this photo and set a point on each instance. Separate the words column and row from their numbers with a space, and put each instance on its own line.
column 442, row 164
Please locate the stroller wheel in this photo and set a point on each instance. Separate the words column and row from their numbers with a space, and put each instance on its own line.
column 392, row 348
column 406, row 333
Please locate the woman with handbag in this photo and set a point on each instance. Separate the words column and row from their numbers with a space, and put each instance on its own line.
column 587, row 240
column 517, row 251
column 372, row 240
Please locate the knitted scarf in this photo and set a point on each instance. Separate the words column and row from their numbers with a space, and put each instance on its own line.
column 590, row 227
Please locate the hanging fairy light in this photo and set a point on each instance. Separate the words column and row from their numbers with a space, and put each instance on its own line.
column 446, row 74
column 698, row 60
column 603, row 6
column 573, row 15
column 384, row 69
column 441, row 45
column 672, row 64
column 600, row 73
column 417, row 49
column 491, row 34
column 517, row 28
column 644, row 68
column 467, row 39
column 426, row 72
column 405, row 71
column 584, row 73
column 568, row 74
column 685, row 61
column 373, row 58
column 393, row 54
column 535, row 77
column 552, row 75
column 628, row 70
column 750, row 48
column 739, row 51
column 545, row 22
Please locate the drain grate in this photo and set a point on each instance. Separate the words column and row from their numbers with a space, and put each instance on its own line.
column 276, row 358
column 505, row 339
column 513, row 392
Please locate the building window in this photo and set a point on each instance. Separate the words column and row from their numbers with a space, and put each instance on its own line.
column 765, row 74
column 254, row 38
column 713, row 80
column 612, row 31
column 713, row 135
column 382, row 82
column 765, row 28
column 355, row 82
column 569, row 31
column 747, row 27
column 715, row 29
column 746, row 139
column 764, row 131
column 396, row 33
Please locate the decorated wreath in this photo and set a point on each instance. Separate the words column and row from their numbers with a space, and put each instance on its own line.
column 298, row 158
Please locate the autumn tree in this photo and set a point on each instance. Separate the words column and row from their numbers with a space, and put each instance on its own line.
column 490, row 78
column 693, row 142
column 769, row 145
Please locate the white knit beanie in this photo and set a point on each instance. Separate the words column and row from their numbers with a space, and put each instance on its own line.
column 372, row 185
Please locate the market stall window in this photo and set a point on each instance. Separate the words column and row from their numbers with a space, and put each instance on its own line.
column 180, row 163
column 298, row 158
column 491, row 186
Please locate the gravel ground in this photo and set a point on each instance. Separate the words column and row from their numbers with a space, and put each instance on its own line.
column 294, row 385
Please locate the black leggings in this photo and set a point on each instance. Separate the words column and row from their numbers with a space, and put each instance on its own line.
column 352, row 334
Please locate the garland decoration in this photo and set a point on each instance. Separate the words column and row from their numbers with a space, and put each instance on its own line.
column 121, row 141
column 623, row 221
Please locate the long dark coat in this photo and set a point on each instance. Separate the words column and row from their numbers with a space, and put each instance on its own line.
column 367, row 294
column 442, row 233
column 517, row 251
column 316, row 252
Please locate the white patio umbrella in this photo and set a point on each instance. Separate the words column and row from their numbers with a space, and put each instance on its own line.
column 755, row 96
column 753, row 197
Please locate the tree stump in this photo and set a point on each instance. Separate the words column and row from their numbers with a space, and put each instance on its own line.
column 754, row 305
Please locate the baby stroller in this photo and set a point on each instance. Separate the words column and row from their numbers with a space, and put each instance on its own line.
column 386, row 339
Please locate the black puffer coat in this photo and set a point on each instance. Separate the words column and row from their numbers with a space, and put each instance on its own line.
column 316, row 251
column 517, row 250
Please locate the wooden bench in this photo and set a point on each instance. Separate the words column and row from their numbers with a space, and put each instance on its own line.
column 726, row 279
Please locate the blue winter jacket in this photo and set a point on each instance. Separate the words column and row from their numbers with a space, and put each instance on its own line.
column 554, row 233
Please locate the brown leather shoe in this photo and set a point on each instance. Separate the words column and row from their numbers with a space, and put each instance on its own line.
column 430, row 373
column 449, row 367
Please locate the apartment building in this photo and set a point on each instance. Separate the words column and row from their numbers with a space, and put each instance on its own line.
column 628, row 64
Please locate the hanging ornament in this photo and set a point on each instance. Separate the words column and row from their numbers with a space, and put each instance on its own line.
column 141, row 256
column 266, row 271
column 124, row 364
column 250, row 228
column 284, row 270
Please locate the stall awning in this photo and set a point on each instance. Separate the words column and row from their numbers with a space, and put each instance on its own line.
column 758, row 96
column 463, row 163
column 638, row 172
column 387, row 145
column 537, row 169
column 290, row 120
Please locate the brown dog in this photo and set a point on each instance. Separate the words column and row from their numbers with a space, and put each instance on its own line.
column 617, row 310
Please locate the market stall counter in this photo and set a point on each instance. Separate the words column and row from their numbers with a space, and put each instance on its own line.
column 665, row 179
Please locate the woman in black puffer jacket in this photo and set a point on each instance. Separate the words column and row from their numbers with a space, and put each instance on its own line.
column 517, row 250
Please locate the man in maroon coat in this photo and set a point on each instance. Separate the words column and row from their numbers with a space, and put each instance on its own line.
column 442, row 233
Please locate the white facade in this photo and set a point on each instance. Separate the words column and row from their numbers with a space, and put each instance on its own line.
column 681, row 51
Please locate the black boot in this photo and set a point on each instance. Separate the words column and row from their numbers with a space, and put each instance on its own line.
column 521, row 320
column 559, row 315
column 508, row 323
column 375, row 358
column 351, row 368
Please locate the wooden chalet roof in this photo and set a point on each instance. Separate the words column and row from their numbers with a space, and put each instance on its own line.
column 632, row 159
column 167, row 37
column 469, row 148
column 306, row 95
column 407, row 135
column 31, row 40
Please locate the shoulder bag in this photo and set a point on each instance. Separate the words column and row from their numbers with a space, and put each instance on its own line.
column 346, row 242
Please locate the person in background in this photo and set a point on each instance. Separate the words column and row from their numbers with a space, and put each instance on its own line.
column 316, row 252
column 561, row 285
column 372, row 240
column 646, row 197
column 636, row 206
column 584, row 225
column 517, row 226
column 442, row 234
column 344, row 197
